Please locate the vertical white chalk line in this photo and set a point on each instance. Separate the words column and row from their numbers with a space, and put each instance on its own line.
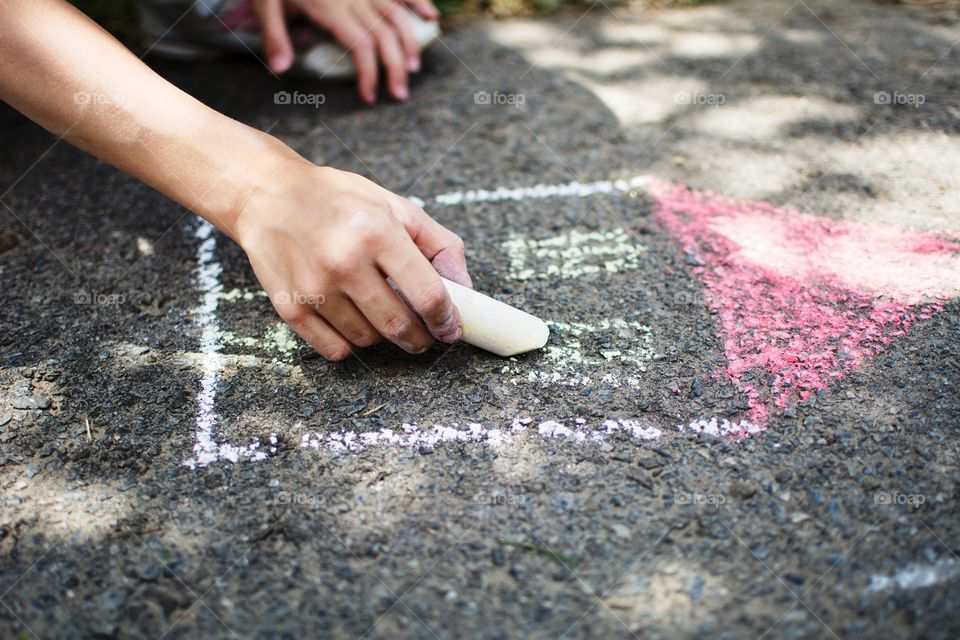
column 207, row 281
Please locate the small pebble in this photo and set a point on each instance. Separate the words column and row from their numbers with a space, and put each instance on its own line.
column 30, row 402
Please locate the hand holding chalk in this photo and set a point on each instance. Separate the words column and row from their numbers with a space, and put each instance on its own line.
column 495, row 326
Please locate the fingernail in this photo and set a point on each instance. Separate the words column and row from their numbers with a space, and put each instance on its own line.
column 401, row 92
column 412, row 349
column 413, row 65
column 280, row 62
column 370, row 97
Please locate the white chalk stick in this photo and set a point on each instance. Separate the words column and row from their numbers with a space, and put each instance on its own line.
column 495, row 326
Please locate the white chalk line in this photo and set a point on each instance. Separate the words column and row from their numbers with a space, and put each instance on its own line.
column 573, row 189
column 411, row 435
column 207, row 450
column 915, row 576
column 572, row 255
column 722, row 428
column 569, row 364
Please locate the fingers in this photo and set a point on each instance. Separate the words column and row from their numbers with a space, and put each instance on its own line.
column 343, row 315
column 399, row 18
column 374, row 31
column 388, row 44
column 422, row 287
column 395, row 62
column 276, row 39
column 316, row 332
column 389, row 315
column 352, row 34
column 364, row 53
column 424, row 9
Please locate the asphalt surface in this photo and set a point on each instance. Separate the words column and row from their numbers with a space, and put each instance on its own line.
column 834, row 515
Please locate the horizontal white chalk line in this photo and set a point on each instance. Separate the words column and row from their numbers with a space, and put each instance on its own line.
column 915, row 576
column 574, row 189
column 412, row 435
column 722, row 428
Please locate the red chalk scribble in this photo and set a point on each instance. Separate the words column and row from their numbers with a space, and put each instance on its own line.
column 803, row 299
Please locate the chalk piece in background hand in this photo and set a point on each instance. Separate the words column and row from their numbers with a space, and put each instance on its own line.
column 495, row 326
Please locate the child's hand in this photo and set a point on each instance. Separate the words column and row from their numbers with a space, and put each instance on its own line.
column 322, row 243
column 372, row 31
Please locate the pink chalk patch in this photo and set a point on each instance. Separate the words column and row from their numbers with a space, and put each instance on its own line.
column 803, row 299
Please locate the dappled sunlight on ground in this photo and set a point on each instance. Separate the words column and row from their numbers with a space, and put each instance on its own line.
column 68, row 512
column 917, row 175
column 650, row 99
column 765, row 118
column 674, row 80
column 740, row 171
column 673, row 597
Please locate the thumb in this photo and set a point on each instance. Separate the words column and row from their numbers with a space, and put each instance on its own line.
column 274, row 35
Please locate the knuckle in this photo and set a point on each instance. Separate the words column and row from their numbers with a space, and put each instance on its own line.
column 382, row 32
column 339, row 265
column 361, row 337
column 367, row 232
column 311, row 285
column 433, row 297
column 369, row 238
column 363, row 40
column 397, row 326
column 292, row 314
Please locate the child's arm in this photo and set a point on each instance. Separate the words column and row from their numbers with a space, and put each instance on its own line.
column 320, row 240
